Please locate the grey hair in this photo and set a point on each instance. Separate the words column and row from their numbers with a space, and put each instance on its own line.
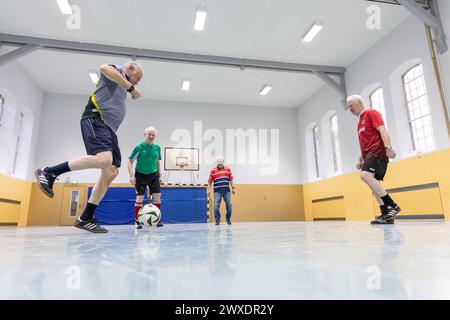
column 355, row 98
column 150, row 129
column 135, row 65
column 220, row 159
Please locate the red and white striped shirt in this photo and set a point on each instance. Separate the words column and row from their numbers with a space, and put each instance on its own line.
column 221, row 178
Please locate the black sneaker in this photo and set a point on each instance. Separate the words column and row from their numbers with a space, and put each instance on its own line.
column 228, row 221
column 217, row 223
column 382, row 220
column 90, row 225
column 45, row 182
column 138, row 225
column 159, row 225
column 392, row 211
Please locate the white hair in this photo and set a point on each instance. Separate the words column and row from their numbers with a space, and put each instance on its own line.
column 220, row 159
column 150, row 129
column 355, row 98
column 135, row 65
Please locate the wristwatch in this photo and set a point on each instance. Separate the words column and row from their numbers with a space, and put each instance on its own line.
column 131, row 89
column 389, row 147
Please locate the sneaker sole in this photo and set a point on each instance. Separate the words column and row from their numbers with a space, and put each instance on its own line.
column 50, row 195
column 106, row 231
column 380, row 224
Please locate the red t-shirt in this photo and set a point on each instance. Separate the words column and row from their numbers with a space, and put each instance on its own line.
column 369, row 137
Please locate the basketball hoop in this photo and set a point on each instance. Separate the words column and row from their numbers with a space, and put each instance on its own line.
column 182, row 165
column 181, row 162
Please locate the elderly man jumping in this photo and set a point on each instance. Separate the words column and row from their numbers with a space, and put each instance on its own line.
column 102, row 117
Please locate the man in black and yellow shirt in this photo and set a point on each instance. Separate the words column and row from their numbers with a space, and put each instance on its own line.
column 147, row 174
column 102, row 117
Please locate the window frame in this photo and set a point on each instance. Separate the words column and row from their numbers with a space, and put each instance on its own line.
column 382, row 108
column 407, row 103
column 335, row 144
column 315, row 136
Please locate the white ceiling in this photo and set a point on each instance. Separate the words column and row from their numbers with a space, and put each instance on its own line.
column 256, row 29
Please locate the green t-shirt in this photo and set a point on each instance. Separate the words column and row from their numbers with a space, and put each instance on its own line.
column 147, row 157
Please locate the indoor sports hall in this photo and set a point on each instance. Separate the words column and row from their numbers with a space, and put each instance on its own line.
column 224, row 150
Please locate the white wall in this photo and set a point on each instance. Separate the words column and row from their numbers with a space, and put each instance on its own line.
column 405, row 44
column 60, row 137
column 24, row 94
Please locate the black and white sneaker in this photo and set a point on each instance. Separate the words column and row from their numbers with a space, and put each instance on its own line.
column 90, row 225
column 45, row 181
column 392, row 211
column 137, row 224
column 382, row 220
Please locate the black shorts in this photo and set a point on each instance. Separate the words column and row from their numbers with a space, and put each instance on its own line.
column 143, row 180
column 376, row 166
column 98, row 137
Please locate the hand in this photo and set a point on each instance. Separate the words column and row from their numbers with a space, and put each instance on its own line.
column 136, row 94
column 233, row 191
column 391, row 153
column 133, row 180
column 359, row 165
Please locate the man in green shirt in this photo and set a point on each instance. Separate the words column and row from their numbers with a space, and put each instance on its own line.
column 147, row 173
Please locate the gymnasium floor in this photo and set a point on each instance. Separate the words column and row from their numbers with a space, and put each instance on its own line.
column 282, row 260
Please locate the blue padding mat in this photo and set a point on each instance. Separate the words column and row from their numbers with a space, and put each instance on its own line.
column 178, row 205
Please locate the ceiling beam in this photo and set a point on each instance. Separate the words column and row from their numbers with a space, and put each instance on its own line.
column 17, row 53
column 338, row 86
column 428, row 12
column 395, row 2
column 440, row 38
column 145, row 54
column 431, row 18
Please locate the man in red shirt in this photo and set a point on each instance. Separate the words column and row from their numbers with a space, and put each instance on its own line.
column 222, row 178
column 376, row 149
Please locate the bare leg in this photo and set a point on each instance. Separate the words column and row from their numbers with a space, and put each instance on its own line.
column 106, row 178
column 373, row 184
column 139, row 199
column 380, row 202
column 157, row 198
column 100, row 160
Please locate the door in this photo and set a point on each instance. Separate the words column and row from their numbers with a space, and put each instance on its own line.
column 74, row 200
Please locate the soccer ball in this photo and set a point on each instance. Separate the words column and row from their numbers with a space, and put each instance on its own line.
column 149, row 215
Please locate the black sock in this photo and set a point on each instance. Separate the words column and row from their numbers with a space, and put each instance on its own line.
column 88, row 212
column 59, row 169
column 383, row 209
column 388, row 201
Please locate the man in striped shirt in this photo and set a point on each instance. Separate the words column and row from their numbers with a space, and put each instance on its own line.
column 222, row 178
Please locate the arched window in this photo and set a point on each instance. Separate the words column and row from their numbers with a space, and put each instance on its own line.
column 419, row 117
column 377, row 102
column 315, row 136
column 335, row 147
column 16, row 132
column 18, row 141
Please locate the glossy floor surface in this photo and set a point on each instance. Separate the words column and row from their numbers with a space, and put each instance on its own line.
column 282, row 260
